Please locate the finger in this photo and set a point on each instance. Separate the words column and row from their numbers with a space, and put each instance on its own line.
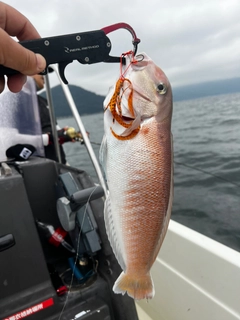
column 16, row 24
column 15, row 56
column 2, row 84
column 12, row 54
column 16, row 82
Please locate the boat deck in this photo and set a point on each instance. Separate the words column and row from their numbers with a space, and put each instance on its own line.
column 195, row 278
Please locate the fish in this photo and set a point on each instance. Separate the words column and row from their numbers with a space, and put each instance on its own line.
column 136, row 155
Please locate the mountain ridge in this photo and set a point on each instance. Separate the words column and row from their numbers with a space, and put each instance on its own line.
column 88, row 102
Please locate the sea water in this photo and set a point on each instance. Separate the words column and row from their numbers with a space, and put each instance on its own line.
column 206, row 135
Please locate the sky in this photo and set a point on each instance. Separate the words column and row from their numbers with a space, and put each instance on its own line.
column 192, row 41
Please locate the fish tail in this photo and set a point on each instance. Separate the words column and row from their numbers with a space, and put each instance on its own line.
column 136, row 287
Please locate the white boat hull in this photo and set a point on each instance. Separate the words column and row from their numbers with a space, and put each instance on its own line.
column 195, row 277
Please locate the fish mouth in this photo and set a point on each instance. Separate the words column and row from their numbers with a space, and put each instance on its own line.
column 127, row 119
column 142, row 95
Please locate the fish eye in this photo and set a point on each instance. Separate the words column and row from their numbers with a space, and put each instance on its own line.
column 161, row 88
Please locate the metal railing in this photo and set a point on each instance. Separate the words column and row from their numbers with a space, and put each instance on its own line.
column 79, row 122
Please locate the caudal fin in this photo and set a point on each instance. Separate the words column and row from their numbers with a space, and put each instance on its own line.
column 136, row 287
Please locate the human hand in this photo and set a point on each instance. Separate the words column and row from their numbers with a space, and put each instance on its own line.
column 67, row 134
column 64, row 136
column 75, row 135
column 12, row 54
column 70, row 134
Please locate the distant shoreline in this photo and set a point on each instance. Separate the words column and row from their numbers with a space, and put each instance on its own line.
column 211, row 88
column 89, row 103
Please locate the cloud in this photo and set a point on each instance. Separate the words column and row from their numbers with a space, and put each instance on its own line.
column 191, row 40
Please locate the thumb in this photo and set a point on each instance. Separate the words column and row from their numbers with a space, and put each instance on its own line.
column 15, row 56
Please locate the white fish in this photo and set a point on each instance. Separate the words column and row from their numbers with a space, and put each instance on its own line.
column 136, row 154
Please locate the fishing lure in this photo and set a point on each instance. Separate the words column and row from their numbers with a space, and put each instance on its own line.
column 116, row 109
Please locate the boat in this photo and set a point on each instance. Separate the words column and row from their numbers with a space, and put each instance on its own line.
column 55, row 258
column 195, row 277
